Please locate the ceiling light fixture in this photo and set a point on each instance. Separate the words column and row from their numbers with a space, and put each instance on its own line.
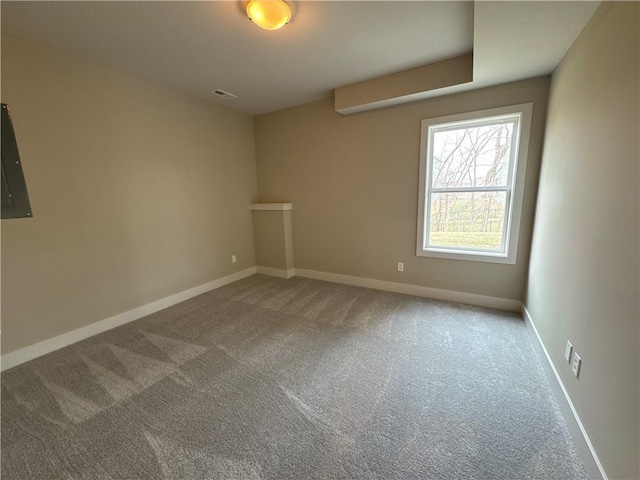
column 269, row 14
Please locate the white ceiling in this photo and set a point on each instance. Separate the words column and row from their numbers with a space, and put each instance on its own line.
column 515, row 40
column 197, row 47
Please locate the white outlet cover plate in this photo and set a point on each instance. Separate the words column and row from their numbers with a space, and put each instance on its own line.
column 400, row 267
column 567, row 352
column 575, row 366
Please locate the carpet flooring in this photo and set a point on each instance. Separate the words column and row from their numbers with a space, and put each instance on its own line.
column 291, row 379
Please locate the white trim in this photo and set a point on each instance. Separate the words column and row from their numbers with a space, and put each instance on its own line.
column 435, row 293
column 271, row 206
column 592, row 462
column 580, row 436
column 514, row 188
column 476, row 255
column 33, row 351
column 276, row 272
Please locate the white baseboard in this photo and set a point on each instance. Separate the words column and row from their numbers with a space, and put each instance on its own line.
column 33, row 351
column 435, row 293
column 580, row 436
column 276, row 272
column 583, row 443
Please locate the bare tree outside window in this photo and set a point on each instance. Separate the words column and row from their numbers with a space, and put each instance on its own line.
column 471, row 185
column 466, row 158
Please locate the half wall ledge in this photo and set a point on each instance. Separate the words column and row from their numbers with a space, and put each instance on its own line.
column 273, row 238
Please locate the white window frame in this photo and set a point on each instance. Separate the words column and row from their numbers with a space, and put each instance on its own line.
column 514, row 189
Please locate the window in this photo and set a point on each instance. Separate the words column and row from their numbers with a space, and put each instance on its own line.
column 472, row 169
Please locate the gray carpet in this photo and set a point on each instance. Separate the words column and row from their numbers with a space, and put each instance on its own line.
column 291, row 379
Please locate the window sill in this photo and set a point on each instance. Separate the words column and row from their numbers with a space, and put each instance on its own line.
column 467, row 256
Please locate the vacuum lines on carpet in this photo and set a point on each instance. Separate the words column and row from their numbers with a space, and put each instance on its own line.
column 268, row 378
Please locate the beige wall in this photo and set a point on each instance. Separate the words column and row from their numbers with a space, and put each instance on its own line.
column 272, row 235
column 354, row 183
column 584, row 277
column 404, row 86
column 138, row 192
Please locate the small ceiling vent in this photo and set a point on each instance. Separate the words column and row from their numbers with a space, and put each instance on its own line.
column 223, row 94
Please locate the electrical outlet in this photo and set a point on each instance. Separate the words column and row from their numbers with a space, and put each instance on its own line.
column 400, row 267
column 567, row 351
column 575, row 366
column 234, row 259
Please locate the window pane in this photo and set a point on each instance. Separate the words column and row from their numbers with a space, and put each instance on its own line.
column 472, row 220
column 472, row 156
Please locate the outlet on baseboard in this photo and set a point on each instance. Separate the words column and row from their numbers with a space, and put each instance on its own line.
column 567, row 351
column 575, row 366
column 234, row 259
column 400, row 267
